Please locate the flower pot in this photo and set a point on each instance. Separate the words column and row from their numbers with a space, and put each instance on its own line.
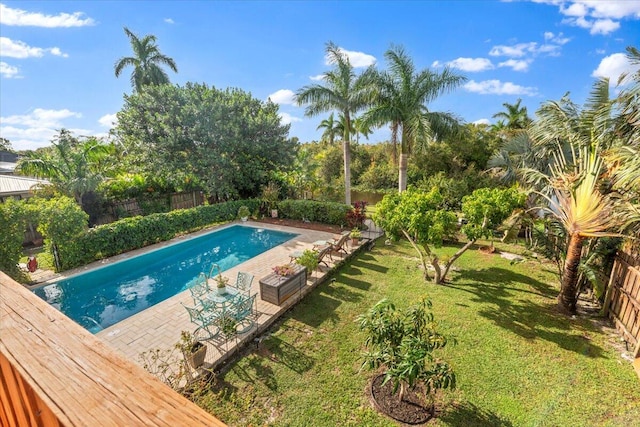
column 196, row 357
column 221, row 290
column 355, row 242
column 274, row 213
column 244, row 218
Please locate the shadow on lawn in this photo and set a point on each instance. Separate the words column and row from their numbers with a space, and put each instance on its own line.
column 257, row 370
column 316, row 309
column 468, row 414
column 513, row 309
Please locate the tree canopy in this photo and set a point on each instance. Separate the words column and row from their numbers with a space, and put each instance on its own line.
column 227, row 141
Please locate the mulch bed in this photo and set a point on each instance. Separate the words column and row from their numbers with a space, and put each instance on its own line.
column 302, row 224
column 411, row 410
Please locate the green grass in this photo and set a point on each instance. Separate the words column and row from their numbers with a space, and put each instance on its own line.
column 518, row 362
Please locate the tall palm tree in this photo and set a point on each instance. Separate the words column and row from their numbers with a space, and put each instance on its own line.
column 146, row 62
column 330, row 126
column 342, row 91
column 401, row 99
column 515, row 117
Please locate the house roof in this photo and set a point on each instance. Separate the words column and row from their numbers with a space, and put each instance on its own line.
column 10, row 184
column 7, row 167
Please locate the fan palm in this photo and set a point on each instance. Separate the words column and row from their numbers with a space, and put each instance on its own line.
column 573, row 190
column 74, row 167
column 342, row 91
column 401, row 99
column 146, row 62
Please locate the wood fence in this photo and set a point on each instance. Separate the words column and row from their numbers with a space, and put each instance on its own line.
column 54, row 373
column 131, row 207
column 622, row 300
column 186, row 200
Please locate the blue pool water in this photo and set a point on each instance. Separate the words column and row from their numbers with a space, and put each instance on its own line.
column 102, row 297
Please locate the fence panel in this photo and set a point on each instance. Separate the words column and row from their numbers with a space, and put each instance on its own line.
column 622, row 303
column 186, row 200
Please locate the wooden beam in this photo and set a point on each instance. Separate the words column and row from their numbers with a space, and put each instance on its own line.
column 78, row 380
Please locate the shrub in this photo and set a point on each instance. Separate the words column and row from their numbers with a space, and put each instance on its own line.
column 136, row 232
column 326, row 212
column 14, row 224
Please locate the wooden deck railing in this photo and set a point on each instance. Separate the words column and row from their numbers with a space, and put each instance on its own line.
column 55, row 373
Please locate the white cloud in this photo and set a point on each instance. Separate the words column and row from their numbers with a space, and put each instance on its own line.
column 40, row 117
column 317, row 78
column 482, row 122
column 18, row 17
column 18, row 49
column 8, row 71
column 468, row 64
column 357, row 59
column 601, row 51
column 287, row 118
column 597, row 16
column 283, row 97
column 613, row 66
column 496, row 87
column 515, row 51
column 516, row 64
column 108, row 120
column 169, row 21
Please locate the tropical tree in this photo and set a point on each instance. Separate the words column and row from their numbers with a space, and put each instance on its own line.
column 146, row 62
column 514, row 117
column 342, row 91
column 74, row 166
column 422, row 219
column 574, row 188
column 401, row 99
column 330, row 129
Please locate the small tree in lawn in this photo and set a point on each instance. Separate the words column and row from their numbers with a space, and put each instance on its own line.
column 421, row 219
column 403, row 343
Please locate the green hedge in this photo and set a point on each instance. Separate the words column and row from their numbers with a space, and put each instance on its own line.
column 325, row 212
column 133, row 233
column 140, row 231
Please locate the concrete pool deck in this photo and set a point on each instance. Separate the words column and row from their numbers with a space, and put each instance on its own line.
column 159, row 326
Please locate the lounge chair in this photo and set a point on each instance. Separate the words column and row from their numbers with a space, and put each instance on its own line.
column 339, row 244
column 327, row 250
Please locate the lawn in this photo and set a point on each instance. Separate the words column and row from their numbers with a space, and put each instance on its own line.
column 517, row 361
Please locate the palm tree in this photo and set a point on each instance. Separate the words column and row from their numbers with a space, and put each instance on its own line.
column 330, row 129
column 577, row 170
column 400, row 99
column 146, row 62
column 342, row 91
column 74, row 167
column 515, row 117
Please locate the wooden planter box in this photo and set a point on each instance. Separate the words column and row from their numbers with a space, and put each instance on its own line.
column 276, row 289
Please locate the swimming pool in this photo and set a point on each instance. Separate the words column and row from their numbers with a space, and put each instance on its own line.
column 103, row 297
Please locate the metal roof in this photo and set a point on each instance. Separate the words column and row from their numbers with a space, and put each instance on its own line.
column 10, row 184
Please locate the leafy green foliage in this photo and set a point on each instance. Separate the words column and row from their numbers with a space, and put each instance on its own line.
column 228, row 139
column 326, row 212
column 486, row 208
column 62, row 223
column 309, row 259
column 403, row 342
column 14, row 224
column 133, row 233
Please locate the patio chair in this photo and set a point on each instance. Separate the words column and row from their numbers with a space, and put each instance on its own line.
column 327, row 250
column 199, row 287
column 242, row 312
column 204, row 319
column 243, row 282
column 339, row 244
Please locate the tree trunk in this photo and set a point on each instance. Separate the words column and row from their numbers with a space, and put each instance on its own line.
column 455, row 257
column 437, row 276
column 394, row 141
column 567, row 298
column 347, row 162
column 402, row 174
column 420, row 254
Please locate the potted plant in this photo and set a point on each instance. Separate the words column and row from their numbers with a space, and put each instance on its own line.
column 309, row 260
column 228, row 326
column 243, row 213
column 221, row 284
column 194, row 351
column 355, row 236
column 284, row 270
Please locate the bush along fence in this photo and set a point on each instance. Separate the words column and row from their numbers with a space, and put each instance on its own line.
column 133, row 233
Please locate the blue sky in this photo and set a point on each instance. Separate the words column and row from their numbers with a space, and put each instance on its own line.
column 57, row 58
